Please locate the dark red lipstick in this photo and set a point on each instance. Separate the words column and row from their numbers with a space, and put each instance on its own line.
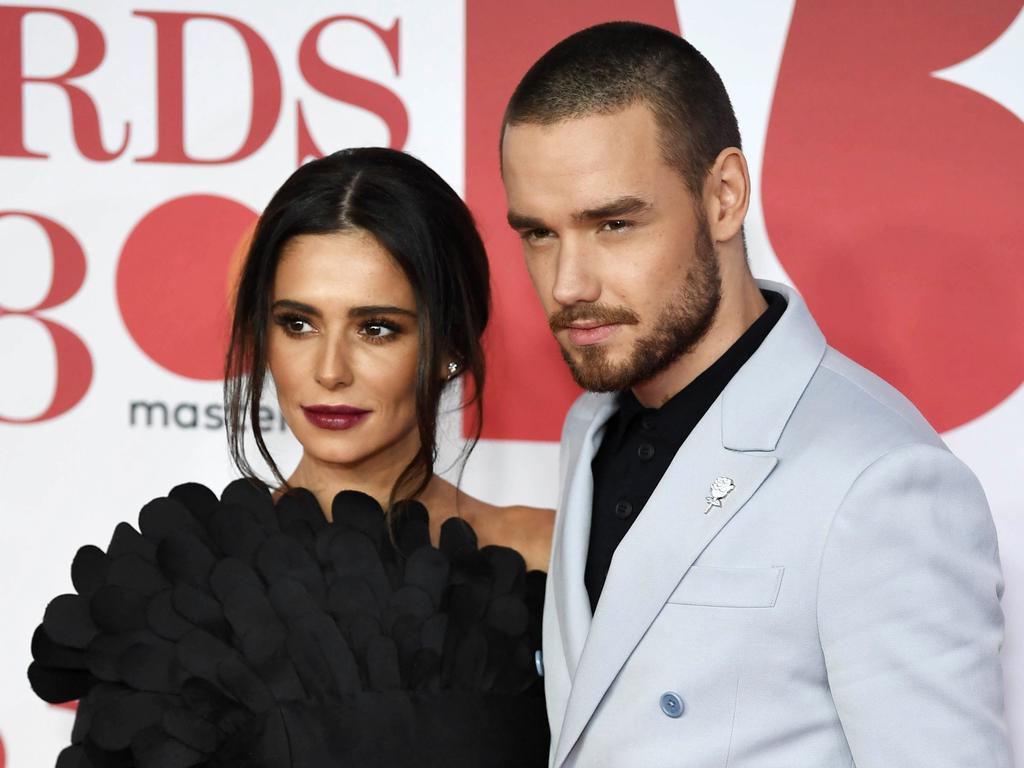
column 334, row 416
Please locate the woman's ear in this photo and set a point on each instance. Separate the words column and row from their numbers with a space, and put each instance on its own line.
column 451, row 370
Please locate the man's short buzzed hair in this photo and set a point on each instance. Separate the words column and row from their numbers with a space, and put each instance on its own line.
column 609, row 67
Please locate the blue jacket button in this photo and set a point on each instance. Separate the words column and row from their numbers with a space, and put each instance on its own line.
column 671, row 704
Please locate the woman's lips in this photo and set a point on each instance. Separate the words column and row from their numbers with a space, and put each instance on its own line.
column 583, row 337
column 334, row 416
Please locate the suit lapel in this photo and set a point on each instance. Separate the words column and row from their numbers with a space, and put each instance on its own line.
column 662, row 544
column 572, row 535
column 735, row 439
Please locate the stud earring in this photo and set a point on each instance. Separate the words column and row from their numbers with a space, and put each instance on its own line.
column 453, row 368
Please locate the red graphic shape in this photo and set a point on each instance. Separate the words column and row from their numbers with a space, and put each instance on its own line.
column 85, row 120
column 73, row 361
column 173, row 282
column 350, row 89
column 3, row 754
column 170, row 68
column 528, row 387
column 893, row 198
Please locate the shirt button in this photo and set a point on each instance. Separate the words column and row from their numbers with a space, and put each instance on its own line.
column 645, row 451
column 647, row 423
column 623, row 510
column 671, row 704
column 538, row 662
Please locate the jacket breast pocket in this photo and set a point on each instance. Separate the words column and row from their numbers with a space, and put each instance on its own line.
column 729, row 587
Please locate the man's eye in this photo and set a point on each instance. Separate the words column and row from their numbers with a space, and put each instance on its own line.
column 536, row 235
column 616, row 225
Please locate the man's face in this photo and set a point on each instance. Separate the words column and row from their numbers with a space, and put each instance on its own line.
column 622, row 261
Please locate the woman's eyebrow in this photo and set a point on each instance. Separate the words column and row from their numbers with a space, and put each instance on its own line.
column 298, row 306
column 379, row 309
column 365, row 311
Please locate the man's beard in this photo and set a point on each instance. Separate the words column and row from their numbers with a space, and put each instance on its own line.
column 676, row 331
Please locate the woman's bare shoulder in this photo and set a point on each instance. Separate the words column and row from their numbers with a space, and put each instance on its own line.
column 525, row 529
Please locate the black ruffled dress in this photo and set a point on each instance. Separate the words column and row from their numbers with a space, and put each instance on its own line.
column 239, row 632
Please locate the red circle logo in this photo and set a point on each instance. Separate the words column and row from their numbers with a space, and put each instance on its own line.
column 174, row 282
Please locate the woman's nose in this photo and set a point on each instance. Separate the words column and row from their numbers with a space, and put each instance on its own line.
column 332, row 368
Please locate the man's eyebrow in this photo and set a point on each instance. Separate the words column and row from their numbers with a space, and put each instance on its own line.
column 623, row 206
column 519, row 221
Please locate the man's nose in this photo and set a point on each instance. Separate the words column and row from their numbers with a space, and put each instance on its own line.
column 575, row 279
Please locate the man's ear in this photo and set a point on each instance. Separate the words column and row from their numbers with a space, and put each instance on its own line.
column 727, row 195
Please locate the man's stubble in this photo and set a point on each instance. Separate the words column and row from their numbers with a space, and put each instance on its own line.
column 675, row 332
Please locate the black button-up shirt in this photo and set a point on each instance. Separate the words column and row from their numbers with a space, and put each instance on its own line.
column 639, row 444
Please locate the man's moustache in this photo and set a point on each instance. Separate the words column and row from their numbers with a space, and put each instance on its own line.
column 591, row 313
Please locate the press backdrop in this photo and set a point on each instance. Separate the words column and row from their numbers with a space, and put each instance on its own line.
column 138, row 141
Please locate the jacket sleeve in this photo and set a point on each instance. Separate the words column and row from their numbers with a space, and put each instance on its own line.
column 909, row 615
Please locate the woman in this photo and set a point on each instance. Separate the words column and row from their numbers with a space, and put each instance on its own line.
column 333, row 622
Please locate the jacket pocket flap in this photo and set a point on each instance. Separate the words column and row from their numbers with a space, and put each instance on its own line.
column 729, row 587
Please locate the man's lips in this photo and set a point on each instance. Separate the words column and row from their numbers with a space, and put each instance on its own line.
column 589, row 324
column 583, row 335
column 334, row 416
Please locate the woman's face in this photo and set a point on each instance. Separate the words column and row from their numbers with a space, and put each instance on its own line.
column 342, row 350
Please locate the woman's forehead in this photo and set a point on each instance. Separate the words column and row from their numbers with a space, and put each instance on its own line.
column 347, row 267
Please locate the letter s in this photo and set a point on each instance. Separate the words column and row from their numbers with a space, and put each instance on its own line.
column 342, row 86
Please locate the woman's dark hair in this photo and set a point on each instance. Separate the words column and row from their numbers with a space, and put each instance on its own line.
column 418, row 219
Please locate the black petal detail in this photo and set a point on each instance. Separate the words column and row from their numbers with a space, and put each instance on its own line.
column 68, row 620
column 164, row 516
column 89, row 570
column 56, row 685
column 243, row 632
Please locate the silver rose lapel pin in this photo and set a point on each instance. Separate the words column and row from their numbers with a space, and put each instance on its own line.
column 721, row 488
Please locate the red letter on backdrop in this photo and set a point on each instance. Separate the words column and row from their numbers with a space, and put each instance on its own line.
column 341, row 86
column 85, row 120
column 893, row 198
column 170, row 79
column 73, row 362
column 528, row 388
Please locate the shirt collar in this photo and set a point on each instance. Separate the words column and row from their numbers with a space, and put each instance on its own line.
column 697, row 396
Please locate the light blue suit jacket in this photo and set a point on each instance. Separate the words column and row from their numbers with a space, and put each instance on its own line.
column 840, row 608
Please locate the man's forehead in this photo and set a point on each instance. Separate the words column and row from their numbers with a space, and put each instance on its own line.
column 635, row 122
column 579, row 165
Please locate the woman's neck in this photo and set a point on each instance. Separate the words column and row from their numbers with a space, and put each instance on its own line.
column 325, row 480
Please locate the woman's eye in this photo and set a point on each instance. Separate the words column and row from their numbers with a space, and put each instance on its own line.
column 294, row 326
column 378, row 330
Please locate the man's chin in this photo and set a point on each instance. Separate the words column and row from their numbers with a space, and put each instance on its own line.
column 597, row 373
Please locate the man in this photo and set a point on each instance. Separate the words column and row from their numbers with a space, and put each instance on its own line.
column 764, row 556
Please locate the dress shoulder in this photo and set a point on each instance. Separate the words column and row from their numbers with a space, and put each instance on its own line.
column 224, row 631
